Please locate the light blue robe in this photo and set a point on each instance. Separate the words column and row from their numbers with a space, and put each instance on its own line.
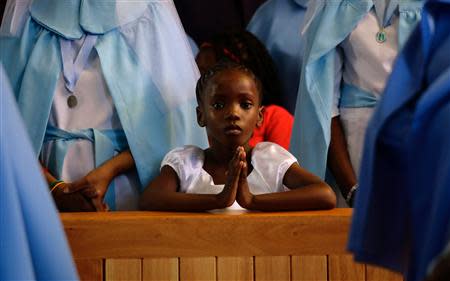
column 193, row 45
column 33, row 244
column 278, row 24
column 328, row 26
column 402, row 213
column 147, row 65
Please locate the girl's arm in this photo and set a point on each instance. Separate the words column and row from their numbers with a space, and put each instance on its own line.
column 162, row 193
column 307, row 192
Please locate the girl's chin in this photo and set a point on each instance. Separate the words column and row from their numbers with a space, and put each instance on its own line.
column 234, row 146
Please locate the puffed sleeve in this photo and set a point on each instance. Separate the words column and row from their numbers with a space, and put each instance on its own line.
column 272, row 161
column 187, row 162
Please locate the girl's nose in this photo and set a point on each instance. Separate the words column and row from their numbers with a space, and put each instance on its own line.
column 232, row 112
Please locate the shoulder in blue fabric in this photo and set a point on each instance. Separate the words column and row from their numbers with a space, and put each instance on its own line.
column 71, row 19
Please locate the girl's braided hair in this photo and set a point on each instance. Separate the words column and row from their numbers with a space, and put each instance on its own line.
column 222, row 66
column 242, row 47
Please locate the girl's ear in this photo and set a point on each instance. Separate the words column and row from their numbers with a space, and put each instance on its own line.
column 200, row 118
column 260, row 117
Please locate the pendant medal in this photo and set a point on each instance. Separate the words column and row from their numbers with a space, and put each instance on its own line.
column 72, row 101
column 381, row 36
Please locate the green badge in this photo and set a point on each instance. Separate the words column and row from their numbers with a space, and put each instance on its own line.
column 381, row 36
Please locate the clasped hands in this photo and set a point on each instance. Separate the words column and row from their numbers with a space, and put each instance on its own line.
column 85, row 194
column 236, row 186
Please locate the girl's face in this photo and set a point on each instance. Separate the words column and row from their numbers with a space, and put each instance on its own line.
column 230, row 109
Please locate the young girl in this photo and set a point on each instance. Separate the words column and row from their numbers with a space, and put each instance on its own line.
column 231, row 172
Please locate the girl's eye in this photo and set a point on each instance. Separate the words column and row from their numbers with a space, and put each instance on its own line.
column 218, row 105
column 246, row 105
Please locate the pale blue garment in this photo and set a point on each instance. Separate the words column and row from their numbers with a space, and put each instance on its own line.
column 278, row 24
column 193, row 45
column 89, row 133
column 33, row 245
column 327, row 26
column 146, row 62
column 365, row 66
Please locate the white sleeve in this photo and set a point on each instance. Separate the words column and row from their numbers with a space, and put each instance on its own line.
column 187, row 162
column 272, row 161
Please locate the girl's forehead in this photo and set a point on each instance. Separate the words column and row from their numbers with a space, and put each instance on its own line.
column 236, row 81
column 228, row 75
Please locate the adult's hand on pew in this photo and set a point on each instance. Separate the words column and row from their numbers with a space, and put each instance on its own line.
column 94, row 186
column 66, row 198
column 71, row 202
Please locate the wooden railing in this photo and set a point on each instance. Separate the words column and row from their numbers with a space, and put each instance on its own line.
column 219, row 246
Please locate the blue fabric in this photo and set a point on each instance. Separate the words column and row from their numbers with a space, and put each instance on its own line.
column 384, row 10
column 74, row 64
column 106, row 144
column 71, row 19
column 193, row 45
column 353, row 97
column 156, row 113
column 33, row 244
column 402, row 202
column 329, row 26
column 152, row 128
column 278, row 23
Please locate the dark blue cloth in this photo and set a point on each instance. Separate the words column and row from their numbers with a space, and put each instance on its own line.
column 33, row 245
column 402, row 211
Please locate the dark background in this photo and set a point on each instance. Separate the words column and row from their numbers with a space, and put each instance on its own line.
column 203, row 18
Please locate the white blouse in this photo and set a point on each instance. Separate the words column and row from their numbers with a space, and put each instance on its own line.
column 269, row 160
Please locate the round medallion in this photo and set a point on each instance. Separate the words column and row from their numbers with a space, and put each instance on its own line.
column 381, row 36
column 72, row 101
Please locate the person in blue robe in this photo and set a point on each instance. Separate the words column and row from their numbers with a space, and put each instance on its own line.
column 33, row 244
column 402, row 213
column 101, row 80
column 278, row 24
column 350, row 47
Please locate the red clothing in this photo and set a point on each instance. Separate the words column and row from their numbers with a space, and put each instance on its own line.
column 276, row 127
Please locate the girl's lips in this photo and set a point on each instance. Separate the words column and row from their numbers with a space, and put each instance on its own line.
column 233, row 130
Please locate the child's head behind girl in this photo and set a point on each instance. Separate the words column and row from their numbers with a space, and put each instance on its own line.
column 242, row 47
column 229, row 98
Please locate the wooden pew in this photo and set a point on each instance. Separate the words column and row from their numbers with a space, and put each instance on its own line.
column 216, row 246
